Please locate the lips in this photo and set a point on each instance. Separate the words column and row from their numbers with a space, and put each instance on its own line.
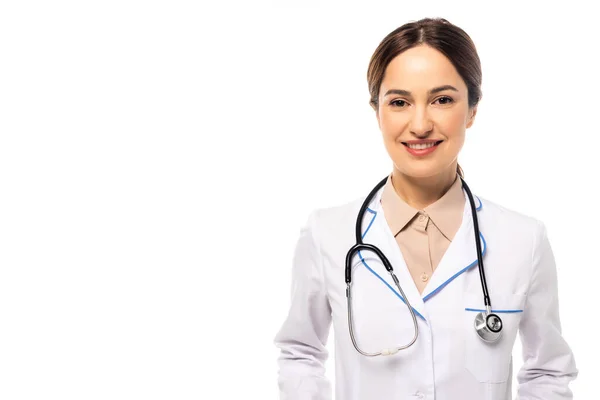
column 425, row 150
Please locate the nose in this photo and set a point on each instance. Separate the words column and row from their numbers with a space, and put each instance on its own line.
column 420, row 124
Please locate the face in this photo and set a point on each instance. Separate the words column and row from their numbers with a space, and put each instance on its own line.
column 422, row 96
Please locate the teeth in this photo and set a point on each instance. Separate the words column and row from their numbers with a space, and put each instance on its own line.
column 421, row 146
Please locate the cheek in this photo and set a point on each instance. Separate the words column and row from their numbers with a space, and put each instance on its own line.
column 391, row 126
column 454, row 124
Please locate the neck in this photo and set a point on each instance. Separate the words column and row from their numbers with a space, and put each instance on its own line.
column 421, row 192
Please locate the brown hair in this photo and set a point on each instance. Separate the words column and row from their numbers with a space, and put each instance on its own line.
column 443, row 36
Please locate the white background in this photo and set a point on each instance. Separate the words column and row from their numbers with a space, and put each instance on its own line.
column 157, row 160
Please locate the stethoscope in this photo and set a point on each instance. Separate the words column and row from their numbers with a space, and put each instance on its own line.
column 487, row 325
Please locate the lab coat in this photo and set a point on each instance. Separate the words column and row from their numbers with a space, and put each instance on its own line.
column 448, row 361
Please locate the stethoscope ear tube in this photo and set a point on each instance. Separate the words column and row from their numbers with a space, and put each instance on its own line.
column 388, row 266
column 365, row 246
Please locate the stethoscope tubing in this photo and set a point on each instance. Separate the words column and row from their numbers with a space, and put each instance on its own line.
column 487, row 325
column 484, row 288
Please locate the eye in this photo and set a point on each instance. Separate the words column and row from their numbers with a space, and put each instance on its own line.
column 449, row 100
column 394, row 103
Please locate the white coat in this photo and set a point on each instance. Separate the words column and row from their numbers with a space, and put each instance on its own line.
column 448, row 361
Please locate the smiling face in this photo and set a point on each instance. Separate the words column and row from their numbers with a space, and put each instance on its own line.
column 422, row 97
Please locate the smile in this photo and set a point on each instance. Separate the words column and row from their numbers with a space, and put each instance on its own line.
column 422, row 149
column 421, row 146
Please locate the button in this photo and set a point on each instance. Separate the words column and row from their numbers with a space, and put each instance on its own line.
column 424, row 277
column 422, row 218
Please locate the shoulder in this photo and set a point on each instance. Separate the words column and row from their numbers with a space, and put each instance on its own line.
column 493, row 209
column 520, row 226
column 338, row 213
column 337, row 221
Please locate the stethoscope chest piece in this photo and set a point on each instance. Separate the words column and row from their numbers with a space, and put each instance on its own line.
column 488, row 326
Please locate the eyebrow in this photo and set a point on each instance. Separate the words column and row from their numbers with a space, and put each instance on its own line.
column 432, row 91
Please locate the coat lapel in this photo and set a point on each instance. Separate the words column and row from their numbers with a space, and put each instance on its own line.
column 377, row 232
column 461, row 254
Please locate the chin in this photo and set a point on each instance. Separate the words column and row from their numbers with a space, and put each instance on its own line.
column 422, row 172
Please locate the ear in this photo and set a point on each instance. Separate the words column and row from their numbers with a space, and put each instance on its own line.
column 472, row 117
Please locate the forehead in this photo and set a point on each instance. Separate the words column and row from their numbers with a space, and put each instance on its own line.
column 421, row 68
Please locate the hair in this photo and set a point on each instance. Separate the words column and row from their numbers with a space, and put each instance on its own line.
column 439, row 34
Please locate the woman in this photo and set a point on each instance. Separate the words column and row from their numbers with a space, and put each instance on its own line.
column 425, row 85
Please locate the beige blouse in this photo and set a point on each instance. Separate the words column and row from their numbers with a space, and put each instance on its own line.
column 423, row 235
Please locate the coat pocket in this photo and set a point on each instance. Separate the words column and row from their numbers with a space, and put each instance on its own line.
column 490, row 362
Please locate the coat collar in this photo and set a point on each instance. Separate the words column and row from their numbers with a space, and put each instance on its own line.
column 460, row 256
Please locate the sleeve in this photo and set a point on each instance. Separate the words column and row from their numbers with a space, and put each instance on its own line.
column 548, row 362
column 303, row 336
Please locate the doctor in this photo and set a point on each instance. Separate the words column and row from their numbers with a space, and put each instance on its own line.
column 425, row 85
